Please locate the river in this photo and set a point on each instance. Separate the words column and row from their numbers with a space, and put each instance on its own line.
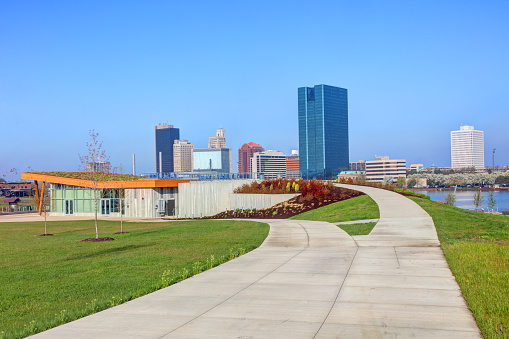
column 465, row 199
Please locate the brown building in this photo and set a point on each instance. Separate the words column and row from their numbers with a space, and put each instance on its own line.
column 292, row 167
column 245, row 154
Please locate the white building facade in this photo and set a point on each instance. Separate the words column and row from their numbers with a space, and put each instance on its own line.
column 271, row 164
column 467, row 148
column 381, row 167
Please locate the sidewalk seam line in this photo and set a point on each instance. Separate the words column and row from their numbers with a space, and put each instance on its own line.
column 222, row 302
column 337, row 295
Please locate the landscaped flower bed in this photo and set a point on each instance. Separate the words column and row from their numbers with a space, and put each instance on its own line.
column 314, row 194
column 86, row 176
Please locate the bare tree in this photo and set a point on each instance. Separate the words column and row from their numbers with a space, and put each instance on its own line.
column 42, row 200
column 92, row 171
column 121, row 196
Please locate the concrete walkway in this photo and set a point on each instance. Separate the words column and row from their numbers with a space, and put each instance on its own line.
column 308, row 279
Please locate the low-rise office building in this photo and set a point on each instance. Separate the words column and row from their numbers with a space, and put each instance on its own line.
column 382, row 167
column 212, row 160
column 271, row 164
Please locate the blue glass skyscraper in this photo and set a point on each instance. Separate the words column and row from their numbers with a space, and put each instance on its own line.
column 165, row 137
column 323, row 131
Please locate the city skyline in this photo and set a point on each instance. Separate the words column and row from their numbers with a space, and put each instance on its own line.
column 414, row 71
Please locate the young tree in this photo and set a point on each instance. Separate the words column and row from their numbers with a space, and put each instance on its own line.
column 491, row 201
column 388, row 179
column 450, row 199
column 401, row 182
column 121, row 196
column 412, row 182
column 478, row 199
column 93, row 171
column 42, row 200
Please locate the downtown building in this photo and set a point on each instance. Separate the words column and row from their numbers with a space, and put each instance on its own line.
column 182, row 156
column 270, row 164
column 293, row 165
column 380, row 168
column 246, row 152
column 165, row 136
column 219, row 140
column 467, row 148
column 323, row 131
column 216, row 158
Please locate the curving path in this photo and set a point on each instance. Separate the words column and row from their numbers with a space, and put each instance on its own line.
column 308, row 279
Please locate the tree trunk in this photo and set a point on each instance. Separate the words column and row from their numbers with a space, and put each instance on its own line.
column 121, row 228
column 95, row 203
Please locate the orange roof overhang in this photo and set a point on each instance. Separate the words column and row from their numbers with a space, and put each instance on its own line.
column 103, row 184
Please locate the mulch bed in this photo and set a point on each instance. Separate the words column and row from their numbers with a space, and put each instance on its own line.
column 120, row 232
column 294, row 206
column 43, row 235
column 97, row 239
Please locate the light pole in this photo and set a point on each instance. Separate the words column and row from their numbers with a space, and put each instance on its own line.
column 493, row 160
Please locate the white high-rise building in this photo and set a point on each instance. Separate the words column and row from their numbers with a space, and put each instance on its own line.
column 467, row 148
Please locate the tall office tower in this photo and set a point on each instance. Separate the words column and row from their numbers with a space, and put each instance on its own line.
column 323, row 131
column 183, row 156
column 467, row 148
column 271, row 164
column 245, row 154
column 219, row 140
column 165, row 137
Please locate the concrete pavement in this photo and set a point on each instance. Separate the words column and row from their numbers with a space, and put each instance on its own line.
column 309, row 279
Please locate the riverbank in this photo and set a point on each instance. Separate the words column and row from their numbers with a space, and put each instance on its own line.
column 473, row 189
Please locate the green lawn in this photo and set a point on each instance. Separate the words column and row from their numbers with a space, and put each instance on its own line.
column 476, row 246
column 358, row 229
column 358, row 208
column 45, row 281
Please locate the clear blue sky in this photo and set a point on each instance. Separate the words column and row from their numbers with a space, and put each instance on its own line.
column 414, row 70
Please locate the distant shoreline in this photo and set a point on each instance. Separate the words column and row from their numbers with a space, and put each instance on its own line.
column 483, row 189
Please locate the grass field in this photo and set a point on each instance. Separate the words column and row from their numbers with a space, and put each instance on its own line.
column 46, row 281
column 358, row 229
column 476, row 246
column 358, row 208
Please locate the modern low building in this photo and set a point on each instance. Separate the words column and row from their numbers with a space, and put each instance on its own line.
column 212, row 160
column 417, row 167
column 358, row 166
column 354, row 175
column 99, row 166
column 139, row 198
column 382, row 167
column 271, row 164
